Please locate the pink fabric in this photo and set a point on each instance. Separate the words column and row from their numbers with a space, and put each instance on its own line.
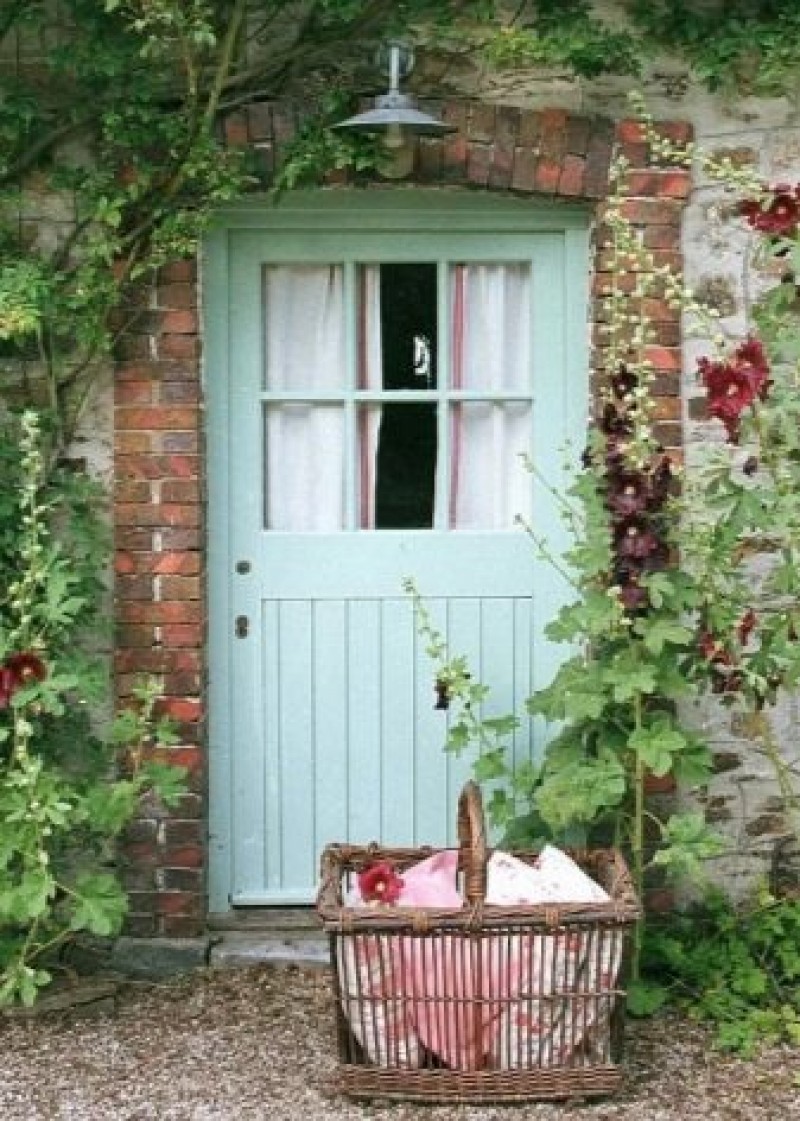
column 432, row 882
column 457, row 986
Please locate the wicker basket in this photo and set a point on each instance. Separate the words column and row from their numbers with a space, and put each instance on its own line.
column 522, row 1003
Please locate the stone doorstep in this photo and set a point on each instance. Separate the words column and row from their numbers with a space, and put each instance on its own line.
column 236, row 948
column 161, row 958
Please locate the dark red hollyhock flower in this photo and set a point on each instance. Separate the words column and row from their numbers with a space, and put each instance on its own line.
column 662, row 480
column 623, row 381
column 380, row 883
column 615, row 421
column 657, row 560
column 442, row 690
column 616, row 455
column 724, row 680
column 633, row 596
column 7, row 686
column 778, row 216
column 749, row 357
column 746, row 626
column 734, row 385
column 26, row 668
column 634, row 540
column 712, row 649
column 725, row 676
column 627, row 494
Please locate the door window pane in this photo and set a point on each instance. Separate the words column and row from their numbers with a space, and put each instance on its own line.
column 408, row 326
column 489, row 483
column 397, row 345
column 305, row 468
column 397, row 465
column 304, row 326
column 491, row 355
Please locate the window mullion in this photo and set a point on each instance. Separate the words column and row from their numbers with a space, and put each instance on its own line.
column 444, row 335
column 351, row 381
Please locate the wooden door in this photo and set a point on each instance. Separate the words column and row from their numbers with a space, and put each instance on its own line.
column 372, row 389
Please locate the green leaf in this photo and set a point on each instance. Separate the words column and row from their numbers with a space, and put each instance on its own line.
column 645, row 998
column 687, row 843
column 490, row 765
column 167, row 780
column 110, row 807
column 656, row 745
column 656, row 633
column 630, row 676
column 578, row 790
column 99, row 904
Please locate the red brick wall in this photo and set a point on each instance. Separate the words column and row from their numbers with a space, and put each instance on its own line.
column 160, row 585
column 159, row 460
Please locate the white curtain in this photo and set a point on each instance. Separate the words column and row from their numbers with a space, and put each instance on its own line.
column 370, row 376
column 491, row 344
column 305, row 353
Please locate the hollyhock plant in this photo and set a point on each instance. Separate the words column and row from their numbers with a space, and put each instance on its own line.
column 778, row 215
column 380, row 883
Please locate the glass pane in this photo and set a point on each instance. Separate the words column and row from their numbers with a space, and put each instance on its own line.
column 397, row 327
column 489, row 484
column 491, row 321
column 397, row 465
column 304, row 456
column 304, row 328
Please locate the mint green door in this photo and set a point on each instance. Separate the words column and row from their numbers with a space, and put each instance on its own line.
column 377, row 368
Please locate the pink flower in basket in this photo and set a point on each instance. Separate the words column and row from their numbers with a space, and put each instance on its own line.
column 380, row 883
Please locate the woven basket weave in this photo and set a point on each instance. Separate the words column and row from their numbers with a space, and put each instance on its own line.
column 534, row 1007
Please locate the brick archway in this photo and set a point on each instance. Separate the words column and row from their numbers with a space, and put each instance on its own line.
column 160, row 557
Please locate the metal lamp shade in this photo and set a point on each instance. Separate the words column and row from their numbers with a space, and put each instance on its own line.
column 393, row 110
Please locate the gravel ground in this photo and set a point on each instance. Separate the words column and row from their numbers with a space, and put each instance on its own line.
column 250, row 1044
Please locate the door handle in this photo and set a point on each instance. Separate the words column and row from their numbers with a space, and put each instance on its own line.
column 242, row 626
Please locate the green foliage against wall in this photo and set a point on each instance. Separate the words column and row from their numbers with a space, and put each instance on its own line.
column 62, row 802
column 113, row 108
column 740, row 46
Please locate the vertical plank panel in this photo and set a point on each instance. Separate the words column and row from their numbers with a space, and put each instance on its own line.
column 549, row 436
column 267, row 741
column 296, row 730
column 464, row 637
column 330, row 721
column 364, row 720
column 523, row 684
column 499, row 670
column 431, row 807
column 398, row 723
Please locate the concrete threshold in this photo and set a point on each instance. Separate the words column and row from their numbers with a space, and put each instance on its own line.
column 236, row 948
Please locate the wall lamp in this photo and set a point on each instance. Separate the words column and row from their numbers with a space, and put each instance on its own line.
column 395, row 116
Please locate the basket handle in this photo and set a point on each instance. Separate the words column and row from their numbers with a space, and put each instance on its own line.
column 472, row 843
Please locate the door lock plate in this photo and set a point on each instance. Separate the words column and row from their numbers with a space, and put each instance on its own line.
column 242, row 626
